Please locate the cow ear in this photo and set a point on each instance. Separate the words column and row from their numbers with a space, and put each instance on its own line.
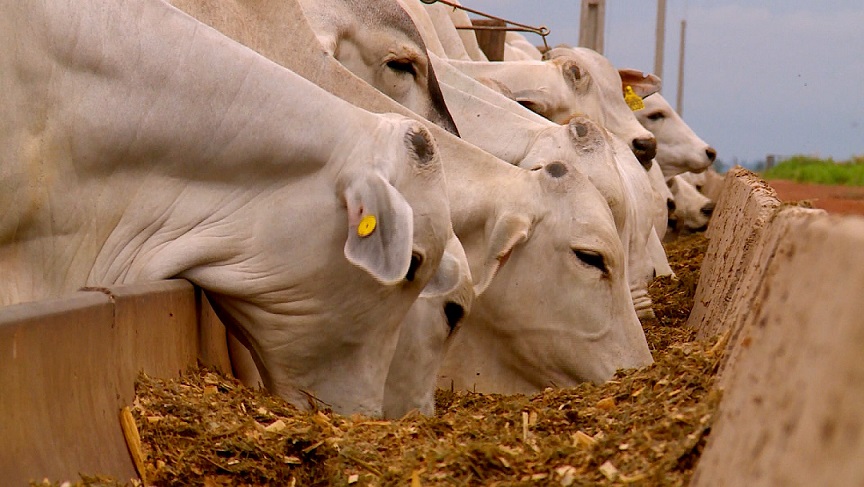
column 446, row 277
column 380, row 229
column 532, row 100
column 509, row 231
column 643, row 84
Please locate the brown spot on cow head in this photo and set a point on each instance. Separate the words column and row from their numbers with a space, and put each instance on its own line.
column 556, row 169
column 580, row 129
column 420, row 142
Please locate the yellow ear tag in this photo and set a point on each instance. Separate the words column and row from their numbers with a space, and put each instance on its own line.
column 367, row 226
column 633, row 100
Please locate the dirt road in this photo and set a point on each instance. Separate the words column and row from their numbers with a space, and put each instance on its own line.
column 847, row 200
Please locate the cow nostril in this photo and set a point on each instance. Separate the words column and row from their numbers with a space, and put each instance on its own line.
column 670, row 205
column 711, row 153
column 645, row 148
column 708, row 209
column 454, row 313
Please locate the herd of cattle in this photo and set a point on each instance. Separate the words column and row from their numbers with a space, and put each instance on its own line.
column 373, row 208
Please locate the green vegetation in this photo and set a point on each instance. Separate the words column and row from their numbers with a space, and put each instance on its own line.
column 806, row 169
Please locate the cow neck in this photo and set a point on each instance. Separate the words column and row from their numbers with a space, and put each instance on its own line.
column 493, row 129
column 116, row 126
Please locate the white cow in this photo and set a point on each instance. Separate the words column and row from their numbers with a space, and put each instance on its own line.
column 679, row 149
column 506, row 218
column 708, row 182
column 521, row 137
column 664, row 205
column 693, row 210
column 518, row 48
column 126, row 157
column 557, row 282
column 451, row 39
column 381, row 46
column 531, row 142
column 459, row 17
column 532, row 145
column 423, row 341
column 572, row 82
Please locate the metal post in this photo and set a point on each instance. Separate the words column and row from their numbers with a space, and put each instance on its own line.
column 660, row 38
column 679, row 98
column 592, row 20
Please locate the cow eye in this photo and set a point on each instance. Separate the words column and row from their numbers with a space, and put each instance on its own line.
column 592, row 259
column 402, row 66
column 656, row 116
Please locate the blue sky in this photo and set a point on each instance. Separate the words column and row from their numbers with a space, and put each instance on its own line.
column 761, row 77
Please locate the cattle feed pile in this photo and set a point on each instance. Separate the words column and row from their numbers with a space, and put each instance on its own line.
column 645, row 427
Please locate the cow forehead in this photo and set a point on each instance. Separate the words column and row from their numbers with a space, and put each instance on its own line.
column 577, row 201
column 385, row 13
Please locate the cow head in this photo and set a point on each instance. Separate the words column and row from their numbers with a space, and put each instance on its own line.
column 679, row 149
column 692, row 209
column 380, row 44
column 313, row 286
column 541, row 274
column 424, row 337
column 609, row 165
column 599, row 87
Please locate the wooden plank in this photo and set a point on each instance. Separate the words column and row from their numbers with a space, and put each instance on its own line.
column 58, row 386
column 491, row 41
column 212, row 338
column 68, row 365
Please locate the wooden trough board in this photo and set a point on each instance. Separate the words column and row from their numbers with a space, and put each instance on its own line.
column 67, row 367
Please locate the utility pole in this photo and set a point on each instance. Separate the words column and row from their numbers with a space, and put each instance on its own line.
column 679, row 98
column 592, row 23
column 660, row 38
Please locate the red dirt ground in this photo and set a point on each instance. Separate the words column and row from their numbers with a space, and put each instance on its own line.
column 845, row 200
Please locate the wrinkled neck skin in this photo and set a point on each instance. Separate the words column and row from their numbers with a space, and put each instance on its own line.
column 109, row 146
column 663, row 195
column 99, row 136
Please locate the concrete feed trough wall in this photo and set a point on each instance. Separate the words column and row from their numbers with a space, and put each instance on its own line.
column 67, row 367
column 787, row 289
